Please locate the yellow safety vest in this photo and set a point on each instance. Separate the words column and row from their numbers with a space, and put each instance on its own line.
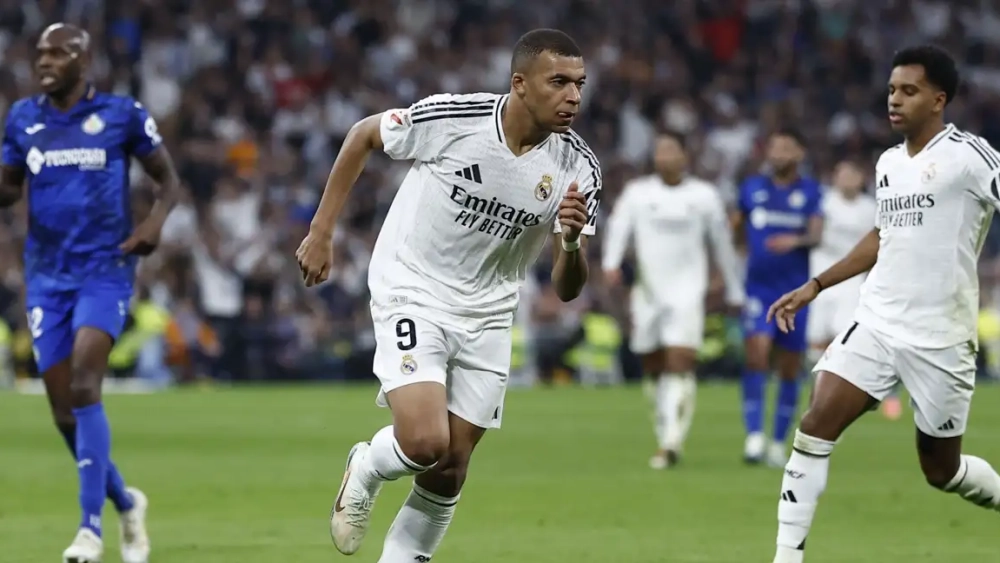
column 599, row 349
column 150, row 321
column 517, row 351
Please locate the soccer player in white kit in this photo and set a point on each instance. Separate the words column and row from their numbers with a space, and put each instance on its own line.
column 492, row 177
column 916, row 321
column 671, row 218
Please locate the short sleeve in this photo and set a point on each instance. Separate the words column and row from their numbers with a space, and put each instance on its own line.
column 743, row 197
column 13, row 151
column 984, row 171
column 144, row 135
column 814, row 203
column 422, row 131
column 590, row 186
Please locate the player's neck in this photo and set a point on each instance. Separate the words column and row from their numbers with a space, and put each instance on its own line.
column 519, row 128
column 784, row 180
column 71, row 97
column 917, row 142
column 672, row 179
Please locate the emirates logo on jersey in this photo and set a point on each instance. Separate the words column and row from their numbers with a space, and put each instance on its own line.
column 492, row 216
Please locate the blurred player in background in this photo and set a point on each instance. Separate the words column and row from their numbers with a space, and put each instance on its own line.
column 916, row 322
column 671, row 218
column 848, row 214
column 492, row 176
column 780, row 218
column 73, row 146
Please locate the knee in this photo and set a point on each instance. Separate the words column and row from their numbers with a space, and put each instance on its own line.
column 425, row 446
column 85, row 387
column 448, row 476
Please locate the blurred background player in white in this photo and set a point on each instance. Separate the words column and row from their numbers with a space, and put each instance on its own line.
column 848, row 215
column 493, row 176
column 671, row 218
column 916, row 322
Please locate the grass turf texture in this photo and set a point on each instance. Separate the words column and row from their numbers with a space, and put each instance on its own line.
column 249, row 475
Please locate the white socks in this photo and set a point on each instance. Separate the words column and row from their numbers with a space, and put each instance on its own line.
column 803, row 482
column 419, row 527
column 675, row 394
column 385, row 461
column 976, row 482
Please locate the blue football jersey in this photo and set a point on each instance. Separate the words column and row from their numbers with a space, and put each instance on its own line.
column 77, row 168
column 775, row 210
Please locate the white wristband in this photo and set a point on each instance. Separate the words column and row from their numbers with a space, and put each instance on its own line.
column 571, row 246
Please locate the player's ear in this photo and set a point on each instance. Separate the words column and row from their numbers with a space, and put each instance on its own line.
column 517, row 83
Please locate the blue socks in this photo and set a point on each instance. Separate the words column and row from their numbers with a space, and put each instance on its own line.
column 116, row 484
column 93, row 453
column 754, row 385
column 788, row 401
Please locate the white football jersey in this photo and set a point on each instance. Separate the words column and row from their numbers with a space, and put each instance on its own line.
column 470, row 217
column 934, row 210
column 671, row 227
column 845, row 223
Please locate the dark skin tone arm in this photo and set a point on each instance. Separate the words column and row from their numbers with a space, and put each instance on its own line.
column 11, row 185
column 570, row 268
column 859, row 260
column 315, row 254
column 160, row 167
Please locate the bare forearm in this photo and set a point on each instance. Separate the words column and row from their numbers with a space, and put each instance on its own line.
column 569, row 273
column 858, row 261
column 346, row 169
column 9, row 195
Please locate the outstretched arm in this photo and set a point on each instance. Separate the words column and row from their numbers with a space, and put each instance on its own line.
column 858, row 261
column 362, row 139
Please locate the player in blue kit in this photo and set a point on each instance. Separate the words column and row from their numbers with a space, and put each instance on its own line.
column 779, row 215
column 72, row 146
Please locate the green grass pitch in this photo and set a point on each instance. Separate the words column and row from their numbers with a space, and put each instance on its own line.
column 248, row 476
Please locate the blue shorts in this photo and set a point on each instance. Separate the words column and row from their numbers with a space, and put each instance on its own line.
column 755, row 321
column 54, row 316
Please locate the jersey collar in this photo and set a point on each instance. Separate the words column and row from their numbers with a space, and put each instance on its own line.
column 88, row 96
column 498, row 118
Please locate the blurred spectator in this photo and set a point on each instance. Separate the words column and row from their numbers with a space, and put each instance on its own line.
column 255, row 97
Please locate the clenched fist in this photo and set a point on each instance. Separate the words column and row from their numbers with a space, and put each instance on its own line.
column 315, row 257
column 573, row 213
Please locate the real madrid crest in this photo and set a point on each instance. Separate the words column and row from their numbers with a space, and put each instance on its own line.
column 544, row 188
column 408, row 365
column 796, row 199
column 928, row 173
column 93, row 125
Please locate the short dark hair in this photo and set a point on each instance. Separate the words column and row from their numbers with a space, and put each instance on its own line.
column 674, row 134
column 791, row 133
column 538, row 41
column 939, row 66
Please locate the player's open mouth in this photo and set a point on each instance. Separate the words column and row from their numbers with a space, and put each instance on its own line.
column 47, row 79
column 566, row 115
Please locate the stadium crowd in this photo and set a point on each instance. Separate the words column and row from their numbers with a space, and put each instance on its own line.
column 255, row 96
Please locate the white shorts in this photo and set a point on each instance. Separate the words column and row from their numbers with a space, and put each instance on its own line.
column 940, row 381
column 831, row 313
column 472, row 363
column 655, row 325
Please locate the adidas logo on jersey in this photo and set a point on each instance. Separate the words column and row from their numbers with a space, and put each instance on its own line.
column 84, row 159
column 470, row 173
